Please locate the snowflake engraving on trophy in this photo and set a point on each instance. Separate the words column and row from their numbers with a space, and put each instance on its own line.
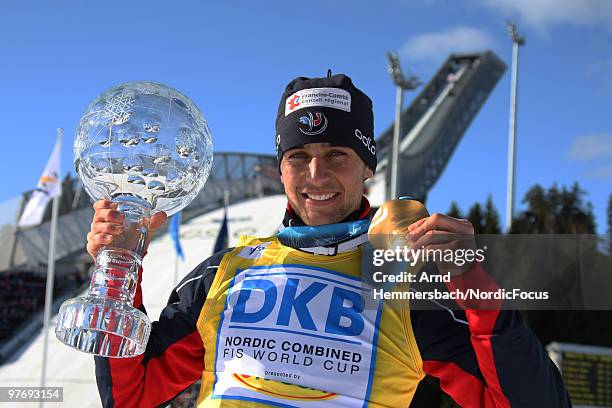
column 118, row 108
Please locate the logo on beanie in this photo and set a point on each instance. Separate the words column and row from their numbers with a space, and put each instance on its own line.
column 294, row 102
column 336, row 98
column 367, row 141
column 313, row 125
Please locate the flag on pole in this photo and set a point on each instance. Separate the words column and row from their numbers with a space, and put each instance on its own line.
column 175, row 221
column 222, row 238
column 48, row 187
column 51, row 188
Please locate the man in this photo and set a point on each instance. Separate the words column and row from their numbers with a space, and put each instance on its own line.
column 289, row 320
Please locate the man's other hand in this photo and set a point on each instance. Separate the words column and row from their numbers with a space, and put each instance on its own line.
column 443, row 232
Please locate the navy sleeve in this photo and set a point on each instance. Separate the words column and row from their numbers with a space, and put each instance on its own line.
column 486, row 358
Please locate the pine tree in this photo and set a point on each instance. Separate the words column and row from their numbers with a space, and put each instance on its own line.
column 476, row 217
column 573, row 216
column 491, row 218
column 454, row 210
column 555, row 212
column 534, row 219
column 562, row 211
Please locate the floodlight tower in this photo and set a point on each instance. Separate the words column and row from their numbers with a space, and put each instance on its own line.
column 517, row 41
column 402, row 83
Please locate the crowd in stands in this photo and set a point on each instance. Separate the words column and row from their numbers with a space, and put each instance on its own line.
column 22, row 294
column 188, row 398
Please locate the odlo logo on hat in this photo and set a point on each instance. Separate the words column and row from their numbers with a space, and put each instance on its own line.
column 313, row 124
column 367, row 141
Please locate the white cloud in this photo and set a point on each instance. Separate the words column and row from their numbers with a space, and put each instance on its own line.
column 589, row 147
column 437, row 45
column 601, row 172
column 541, row 13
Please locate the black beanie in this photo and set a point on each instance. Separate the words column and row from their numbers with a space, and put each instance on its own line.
column 326, row 110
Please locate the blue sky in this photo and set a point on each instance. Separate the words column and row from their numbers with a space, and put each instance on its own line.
column 233, row 58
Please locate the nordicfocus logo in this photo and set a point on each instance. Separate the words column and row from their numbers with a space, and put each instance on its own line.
column 313, row 124
column 367, row 141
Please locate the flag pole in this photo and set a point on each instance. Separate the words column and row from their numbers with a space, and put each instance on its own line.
column 174, row 228
column 50, row 275
column 517, row 41
column 177, row 264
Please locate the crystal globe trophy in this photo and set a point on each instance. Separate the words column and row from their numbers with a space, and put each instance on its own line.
column 147, row 147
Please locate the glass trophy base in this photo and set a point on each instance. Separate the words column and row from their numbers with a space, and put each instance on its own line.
column 103, row 327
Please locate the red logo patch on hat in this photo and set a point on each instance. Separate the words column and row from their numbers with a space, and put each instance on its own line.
column 294, row 102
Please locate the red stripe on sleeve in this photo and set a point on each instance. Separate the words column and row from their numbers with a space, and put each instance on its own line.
column 179, row 366
column 464, row 388
column 482, row 324
column 475, row 278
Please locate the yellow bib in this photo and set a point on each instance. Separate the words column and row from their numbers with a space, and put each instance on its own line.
column 284, row 328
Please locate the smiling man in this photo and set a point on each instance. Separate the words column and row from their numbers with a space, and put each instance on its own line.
column 324, row 147
column 290, row 321
column 323, row 182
